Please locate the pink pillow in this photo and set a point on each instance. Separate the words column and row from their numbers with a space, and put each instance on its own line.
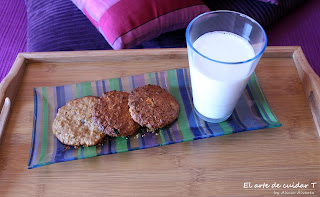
column 127, row 23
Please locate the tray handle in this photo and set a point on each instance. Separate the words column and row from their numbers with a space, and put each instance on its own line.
column 311, row 84
column 4, row 115
column 9, row 88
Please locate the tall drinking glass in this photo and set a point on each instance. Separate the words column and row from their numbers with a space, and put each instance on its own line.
column 224, row 48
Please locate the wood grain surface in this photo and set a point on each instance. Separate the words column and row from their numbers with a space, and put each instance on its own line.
column 218, row 166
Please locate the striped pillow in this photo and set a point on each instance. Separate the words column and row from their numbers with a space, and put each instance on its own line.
column 127, row 23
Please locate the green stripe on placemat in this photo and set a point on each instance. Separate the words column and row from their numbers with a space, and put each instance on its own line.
column 226, row 128
column 44, row 125
column 182, row 120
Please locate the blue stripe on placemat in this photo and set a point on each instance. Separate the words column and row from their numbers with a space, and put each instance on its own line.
column 37, row 131
column 188, row 105
column 35, row 117
column 255, row 105
column 60, row 102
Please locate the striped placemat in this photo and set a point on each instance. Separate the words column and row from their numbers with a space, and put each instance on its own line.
column 252, row 112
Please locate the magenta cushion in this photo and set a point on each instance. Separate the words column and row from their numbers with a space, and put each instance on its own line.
column 127, row 23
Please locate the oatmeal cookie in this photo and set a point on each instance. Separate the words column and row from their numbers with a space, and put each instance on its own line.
column 111, row 114
column 73, row 124
column 153, row 107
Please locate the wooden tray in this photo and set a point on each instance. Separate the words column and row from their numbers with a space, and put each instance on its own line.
column 208, row 167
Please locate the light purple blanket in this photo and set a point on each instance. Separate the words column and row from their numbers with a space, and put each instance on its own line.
column 13, row 32
column 300, row 28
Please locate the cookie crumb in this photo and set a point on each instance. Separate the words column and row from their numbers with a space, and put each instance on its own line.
column 66, row 147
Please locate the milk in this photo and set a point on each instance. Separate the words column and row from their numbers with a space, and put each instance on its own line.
column 216, row 87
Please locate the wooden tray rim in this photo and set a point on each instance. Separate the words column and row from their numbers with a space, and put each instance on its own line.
column 10, row 84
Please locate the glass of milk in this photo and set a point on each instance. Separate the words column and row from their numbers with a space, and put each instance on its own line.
column 224, row 48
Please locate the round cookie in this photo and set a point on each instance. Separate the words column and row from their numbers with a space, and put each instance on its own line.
column 153, row 107
column 111, row 114
column 73, row 123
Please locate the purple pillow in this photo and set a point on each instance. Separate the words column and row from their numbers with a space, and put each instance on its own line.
column 271, row 1
column 58, row 25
